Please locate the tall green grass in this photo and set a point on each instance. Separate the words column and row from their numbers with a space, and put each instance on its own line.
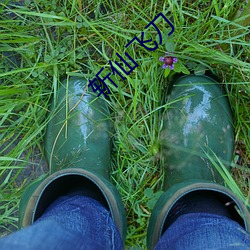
column 43, row 42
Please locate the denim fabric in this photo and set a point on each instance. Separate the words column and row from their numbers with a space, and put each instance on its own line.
column 80, row 222
column 204, row 231
column 76, row 222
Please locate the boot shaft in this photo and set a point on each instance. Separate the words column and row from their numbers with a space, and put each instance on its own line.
column 197, row 122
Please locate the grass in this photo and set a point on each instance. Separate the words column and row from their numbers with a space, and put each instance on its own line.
column 45, row 41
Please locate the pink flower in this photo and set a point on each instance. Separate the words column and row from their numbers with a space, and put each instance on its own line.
column 168, row 61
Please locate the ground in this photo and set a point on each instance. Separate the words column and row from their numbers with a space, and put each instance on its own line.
column 44, row 41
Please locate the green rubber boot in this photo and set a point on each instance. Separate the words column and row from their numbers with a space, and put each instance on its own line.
column 197, row 125
column 78, row 149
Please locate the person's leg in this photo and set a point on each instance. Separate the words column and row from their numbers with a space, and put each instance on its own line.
column 197, row 136
column 204, row 231
column 71, row 222
column 78, row 149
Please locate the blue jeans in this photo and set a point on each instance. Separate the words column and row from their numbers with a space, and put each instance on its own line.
column 80, row 222
column 70, row 223
column 204, row 231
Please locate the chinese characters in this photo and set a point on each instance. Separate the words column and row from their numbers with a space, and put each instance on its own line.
column 99, row 83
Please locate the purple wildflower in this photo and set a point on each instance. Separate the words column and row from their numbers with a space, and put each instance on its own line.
column 168, row 61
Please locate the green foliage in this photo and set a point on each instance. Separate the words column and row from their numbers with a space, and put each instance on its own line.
column 44, row 41
column 153, row 197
